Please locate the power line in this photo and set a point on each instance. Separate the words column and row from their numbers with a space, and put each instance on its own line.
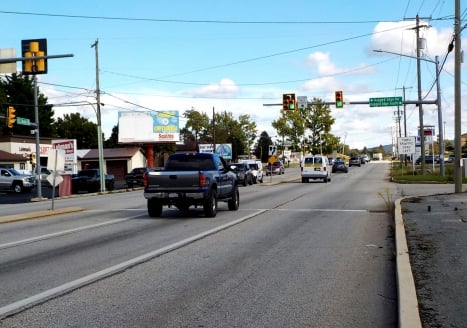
column 255, row 84
column 202, row 21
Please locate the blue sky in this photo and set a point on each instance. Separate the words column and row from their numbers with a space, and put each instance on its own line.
column 236, row 56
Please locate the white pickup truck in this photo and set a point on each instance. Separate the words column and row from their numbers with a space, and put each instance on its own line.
column 18, row 182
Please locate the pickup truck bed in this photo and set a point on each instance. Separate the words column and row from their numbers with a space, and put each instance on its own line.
column 191, row 179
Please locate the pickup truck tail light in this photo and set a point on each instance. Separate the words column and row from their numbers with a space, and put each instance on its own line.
column 145, row 179
column 203, row 181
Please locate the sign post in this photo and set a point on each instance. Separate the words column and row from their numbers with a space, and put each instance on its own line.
column 407, row 146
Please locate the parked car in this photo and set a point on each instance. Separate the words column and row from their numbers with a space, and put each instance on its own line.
column 243, row 172
column 18, row 182
column 339, row 166
column 135, row 176
column 89, row 180
column 428, row 159
column 354, row 160
column 451, row 158
column 44, row 174
column 315, row 167
column 275, row 168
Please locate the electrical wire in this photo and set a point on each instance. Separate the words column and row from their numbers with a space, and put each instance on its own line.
column 204, row 21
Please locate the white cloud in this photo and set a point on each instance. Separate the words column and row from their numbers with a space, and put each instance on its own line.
column 400, row 38
column 225, row 88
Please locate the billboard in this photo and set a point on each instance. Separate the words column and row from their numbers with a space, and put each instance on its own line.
column 146, row 126
column 225, row 150
column 70, row 156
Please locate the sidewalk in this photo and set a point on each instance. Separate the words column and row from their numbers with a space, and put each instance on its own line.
column 431, row 245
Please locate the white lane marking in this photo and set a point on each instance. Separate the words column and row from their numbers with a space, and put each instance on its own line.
column 308, row 210
column 28, row 302
column 64, row 232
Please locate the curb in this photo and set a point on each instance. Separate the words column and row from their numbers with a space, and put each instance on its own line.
column 409, row 315
column 38, row 214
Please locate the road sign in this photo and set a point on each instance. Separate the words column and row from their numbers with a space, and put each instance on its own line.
column 272, row 150
column 385, row 101
column 406, row 145
column 302, row 102
column 23, row 121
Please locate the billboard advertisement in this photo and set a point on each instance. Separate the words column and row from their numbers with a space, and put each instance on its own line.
column 147, row 126
column 225, row 150
column 70, row 156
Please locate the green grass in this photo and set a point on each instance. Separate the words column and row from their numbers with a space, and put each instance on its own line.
column 407, row 173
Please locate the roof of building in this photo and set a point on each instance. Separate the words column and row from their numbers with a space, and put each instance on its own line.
column 6, row 156
column 109, row 153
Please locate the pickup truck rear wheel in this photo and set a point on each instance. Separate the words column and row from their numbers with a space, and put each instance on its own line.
column 154, row 208
column 210, row 204
column 234, row 202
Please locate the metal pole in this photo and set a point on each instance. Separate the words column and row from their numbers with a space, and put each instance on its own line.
column 405, row 116
column 213, row 132
column 38, row 149
column 457, row 101
column 420, row 108
column 440, row 121
column 99, row 122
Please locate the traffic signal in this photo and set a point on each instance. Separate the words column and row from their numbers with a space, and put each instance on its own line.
column 30, row 50
column 339, row 99
column 32, row 158
column 288, row 101
column 11, row 116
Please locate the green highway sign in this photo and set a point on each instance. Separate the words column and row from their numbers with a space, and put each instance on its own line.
column 23, row 121
column 385, row 101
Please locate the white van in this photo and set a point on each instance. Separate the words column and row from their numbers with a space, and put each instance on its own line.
column 315, row 167
column 256, row 168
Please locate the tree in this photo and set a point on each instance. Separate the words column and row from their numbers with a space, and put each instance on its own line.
column 112, row 142
column 308, row 129
column 262, row 147
column 74, row 126
column 229, row 130
column 249, row 130
column 196, row 127
column 18, row 91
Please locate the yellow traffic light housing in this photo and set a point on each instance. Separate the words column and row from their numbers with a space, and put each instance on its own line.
column 339, row 98
column 11, row 116
column 30, row 50
column 288, row 101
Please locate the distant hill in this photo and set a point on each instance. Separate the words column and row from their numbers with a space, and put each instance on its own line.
column 387, row 149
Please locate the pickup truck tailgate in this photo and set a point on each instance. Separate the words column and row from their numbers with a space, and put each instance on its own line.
column 173, row 181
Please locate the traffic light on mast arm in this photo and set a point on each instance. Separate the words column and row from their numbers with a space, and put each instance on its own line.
column 11, row 116
column 288, row 101
column 32, row 49
column 339, row 99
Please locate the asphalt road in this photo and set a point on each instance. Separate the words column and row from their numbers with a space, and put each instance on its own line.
column 295, row 254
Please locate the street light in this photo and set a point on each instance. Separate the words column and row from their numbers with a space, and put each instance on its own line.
column 440, row 112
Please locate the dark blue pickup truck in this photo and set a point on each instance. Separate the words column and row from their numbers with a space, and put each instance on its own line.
column 192, row 179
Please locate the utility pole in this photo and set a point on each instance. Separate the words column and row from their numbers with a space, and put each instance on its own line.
column 440, row 121
column 99, row 121
column 38, row 140
column 213, row 131
column 457, row 100
column 405, row 109
column 420, row 108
